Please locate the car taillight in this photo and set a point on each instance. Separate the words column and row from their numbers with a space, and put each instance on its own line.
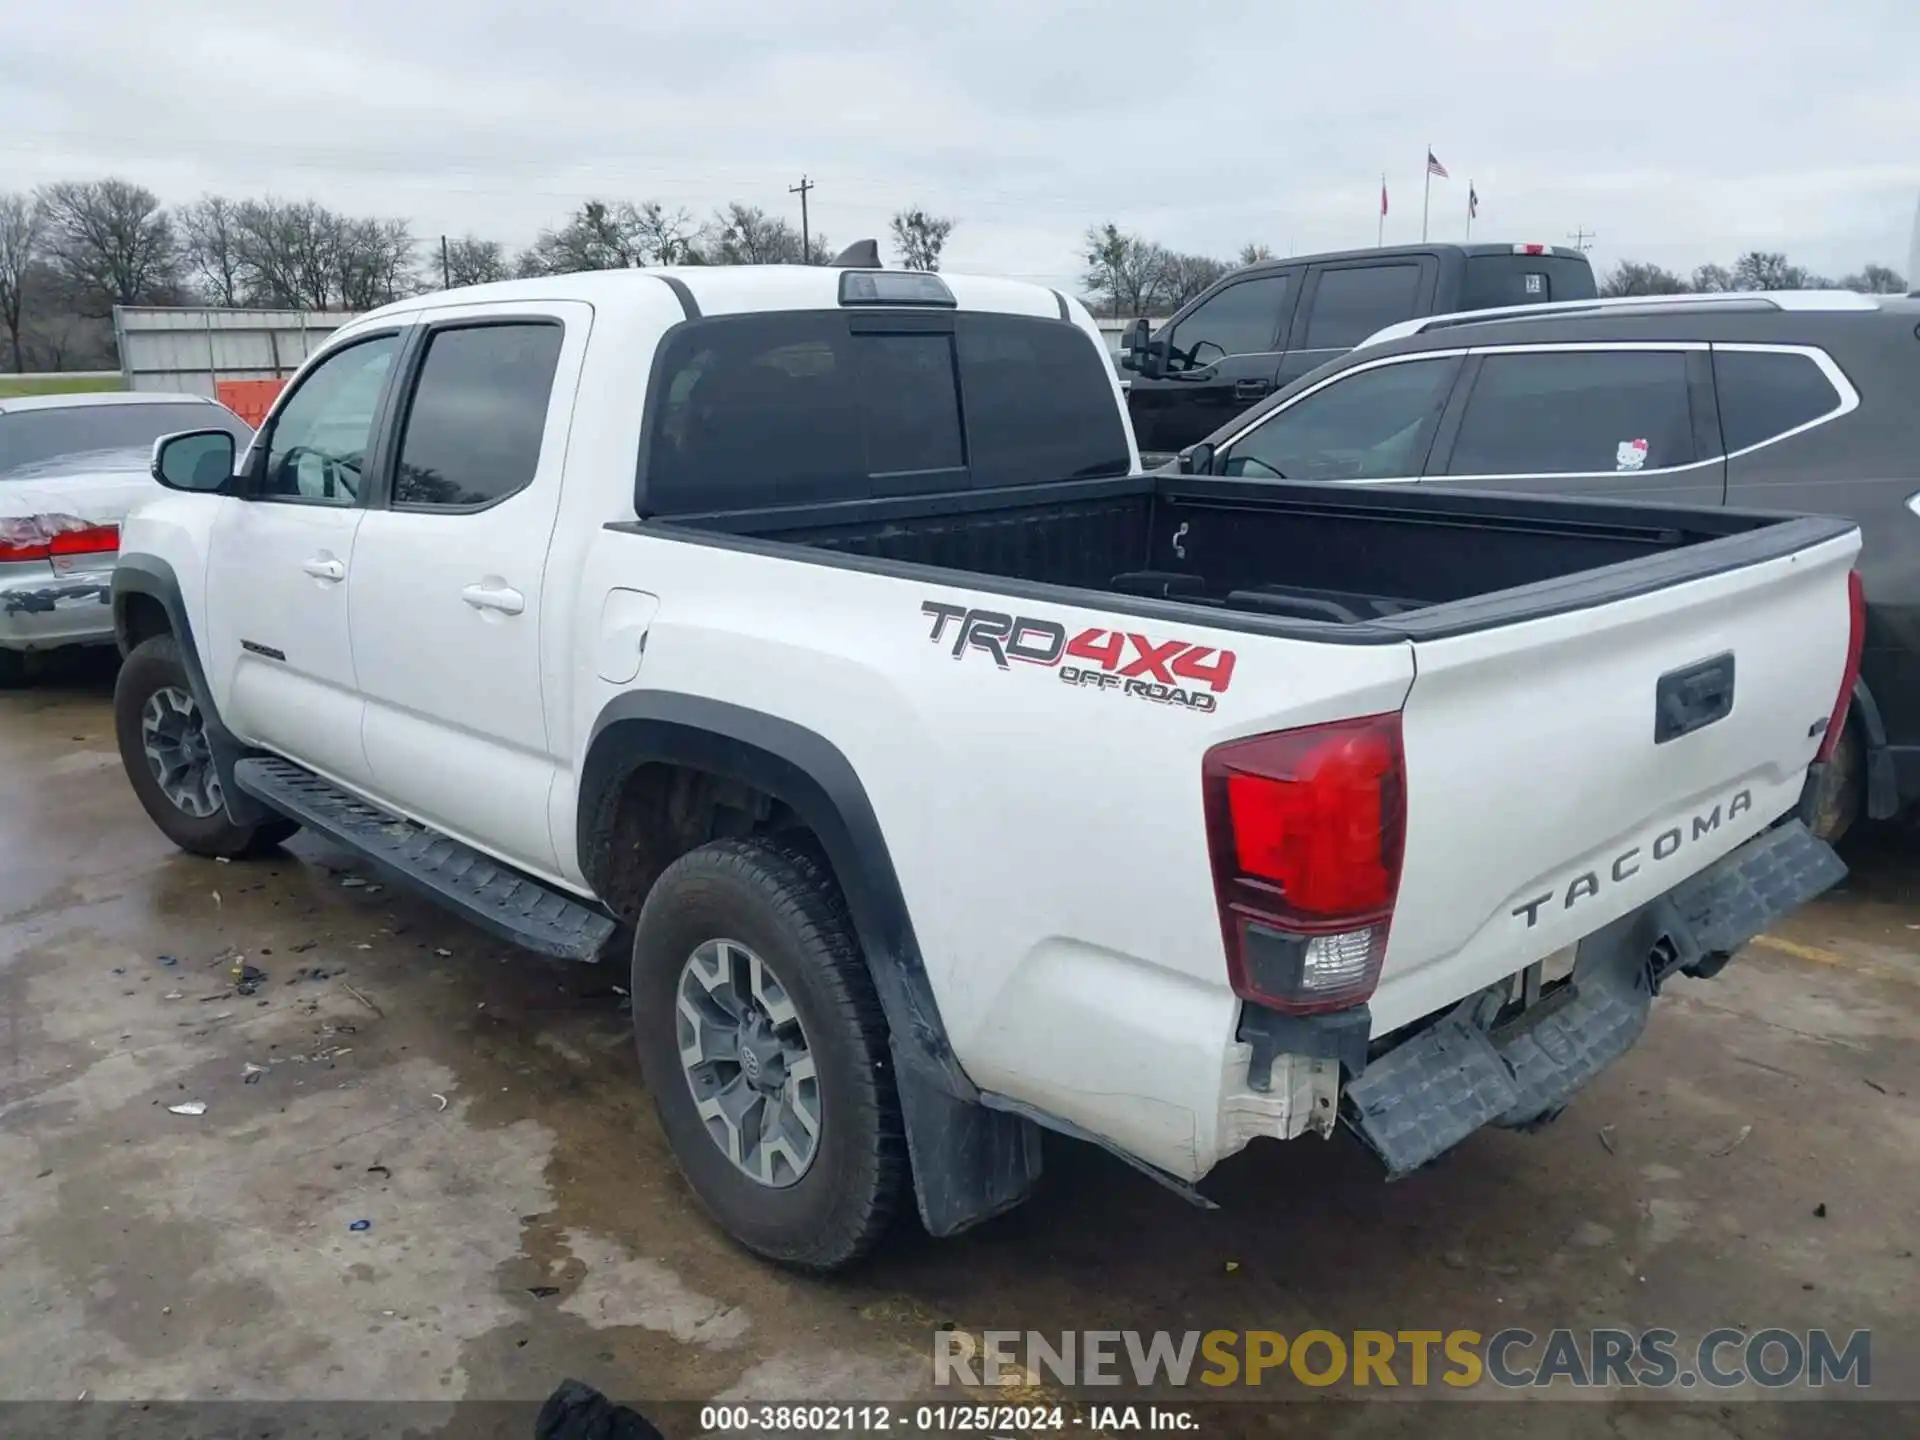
column 1305, row 829
column 41, row 537
column 1856, row 642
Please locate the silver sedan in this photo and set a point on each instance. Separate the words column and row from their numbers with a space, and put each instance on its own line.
column 71, row 467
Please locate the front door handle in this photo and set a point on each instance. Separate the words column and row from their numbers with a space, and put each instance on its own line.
column 325, row 567
column 1249, row 389
column 492, row 596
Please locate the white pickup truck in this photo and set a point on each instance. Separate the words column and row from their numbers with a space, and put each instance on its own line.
column 954, row 779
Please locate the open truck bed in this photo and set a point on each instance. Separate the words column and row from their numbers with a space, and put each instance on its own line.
column 1379, row 564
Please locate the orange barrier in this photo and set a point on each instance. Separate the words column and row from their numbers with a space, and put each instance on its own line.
column 249, row 399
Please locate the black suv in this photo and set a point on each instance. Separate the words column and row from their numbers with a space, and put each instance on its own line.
column 1806, row 402
column 1258, row 329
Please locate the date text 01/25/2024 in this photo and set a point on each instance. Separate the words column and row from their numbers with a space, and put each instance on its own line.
column 983, row 1420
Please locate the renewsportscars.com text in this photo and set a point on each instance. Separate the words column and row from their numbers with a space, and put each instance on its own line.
column 1510, row 1358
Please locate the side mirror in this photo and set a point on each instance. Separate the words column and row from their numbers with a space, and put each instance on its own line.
column 1197, row 459
column 1142, row 355
column 197, row 461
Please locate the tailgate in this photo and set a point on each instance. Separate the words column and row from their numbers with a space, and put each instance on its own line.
column 1540, row 802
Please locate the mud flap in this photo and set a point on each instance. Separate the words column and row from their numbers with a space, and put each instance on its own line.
column 1427, row 1095
column 970, row 1163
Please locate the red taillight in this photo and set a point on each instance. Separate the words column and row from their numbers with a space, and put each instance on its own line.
column 1306, row 828
column 1531, row 249
column 41, row 537
column 1856, row 642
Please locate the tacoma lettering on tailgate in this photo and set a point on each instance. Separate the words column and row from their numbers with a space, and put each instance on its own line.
column 1167, row 672
column 1629, row 862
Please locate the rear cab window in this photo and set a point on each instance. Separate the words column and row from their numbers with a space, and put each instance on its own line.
column 1494, row 281
column 807, row 407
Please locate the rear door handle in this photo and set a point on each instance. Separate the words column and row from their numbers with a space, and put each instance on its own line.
column 503, row 598
column 325, row 567
column 1249, row 389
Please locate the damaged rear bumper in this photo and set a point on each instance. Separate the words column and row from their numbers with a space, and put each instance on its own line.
column 47, row 611
column 1484, row 1065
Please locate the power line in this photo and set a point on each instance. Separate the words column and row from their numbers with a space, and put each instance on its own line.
column 1583, row 238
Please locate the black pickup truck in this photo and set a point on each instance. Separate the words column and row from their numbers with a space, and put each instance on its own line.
column 1259, row 329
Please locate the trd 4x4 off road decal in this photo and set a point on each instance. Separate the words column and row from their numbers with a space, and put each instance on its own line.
column 1167, row 672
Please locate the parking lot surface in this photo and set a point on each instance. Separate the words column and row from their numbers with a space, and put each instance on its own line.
column 1750, row 1164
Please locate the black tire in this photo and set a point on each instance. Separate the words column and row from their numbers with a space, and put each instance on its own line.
column 1842, row 792
column 14, row 671
column 781, row 902
column 154, row 665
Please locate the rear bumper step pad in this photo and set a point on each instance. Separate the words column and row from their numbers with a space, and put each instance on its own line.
column 500, row 900
column 1425, row 1096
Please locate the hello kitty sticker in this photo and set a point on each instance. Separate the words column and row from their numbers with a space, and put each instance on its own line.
column 1630, row 455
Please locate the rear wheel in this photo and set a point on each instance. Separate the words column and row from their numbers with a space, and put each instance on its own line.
column 764, row 1045
column 13, row 669
column 163, row 746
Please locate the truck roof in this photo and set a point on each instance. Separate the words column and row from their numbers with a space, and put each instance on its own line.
column 737, row 289
column 1434, row 247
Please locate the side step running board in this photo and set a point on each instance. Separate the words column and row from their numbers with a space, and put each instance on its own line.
column 498, row 899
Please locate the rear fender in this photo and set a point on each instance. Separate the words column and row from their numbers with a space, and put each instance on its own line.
column 969, row 1162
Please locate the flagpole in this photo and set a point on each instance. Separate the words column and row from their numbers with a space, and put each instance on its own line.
column 1380, row 230
column 1426, row 190
column 1469, row 209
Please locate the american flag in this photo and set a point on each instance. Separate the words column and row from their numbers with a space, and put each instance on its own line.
column 1434, row 167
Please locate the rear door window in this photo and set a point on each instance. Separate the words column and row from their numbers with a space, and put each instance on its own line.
column 1576, row 413
column 808, row 406
column 1350, row 304
column 1765, row 393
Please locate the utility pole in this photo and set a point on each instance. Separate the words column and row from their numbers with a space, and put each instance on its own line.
column 1583, row 238
column 806, row 236
column 446, row 282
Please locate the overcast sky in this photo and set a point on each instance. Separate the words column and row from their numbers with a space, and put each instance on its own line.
column 1680, row 131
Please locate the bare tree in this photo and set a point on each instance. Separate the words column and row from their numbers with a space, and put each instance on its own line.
column 1875, row 280
column 920, row 236
column 666, row 237
column 1713, row 279
column 1123, row 271
column 1768, row 270
column 601, row 235
column 210, row 247
column 1253, row 252
column 1638, row 277
column 373, row 262
column 1184, row 276
column 113, row 239
column 473, row 261
column 286, row 251
column 20, row 225
column 747, row 235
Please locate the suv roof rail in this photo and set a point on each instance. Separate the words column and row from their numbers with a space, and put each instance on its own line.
column 1721, row 300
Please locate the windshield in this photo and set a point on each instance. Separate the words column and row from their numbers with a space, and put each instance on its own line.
column 28, row 437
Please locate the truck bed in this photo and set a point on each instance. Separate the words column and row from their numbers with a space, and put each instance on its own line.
column 1363, row 563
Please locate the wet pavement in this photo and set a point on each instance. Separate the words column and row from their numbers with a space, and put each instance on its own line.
column 1750, row 1164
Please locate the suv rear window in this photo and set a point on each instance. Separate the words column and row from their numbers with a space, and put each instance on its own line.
column 1767, row 393
column 1496, row 280
column 802, row 407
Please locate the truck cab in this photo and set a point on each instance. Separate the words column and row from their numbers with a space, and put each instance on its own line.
column 1261, row 328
